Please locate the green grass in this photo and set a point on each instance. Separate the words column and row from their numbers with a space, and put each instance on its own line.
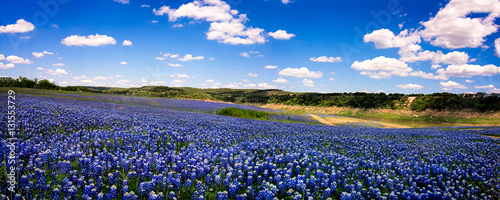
column 248, row 114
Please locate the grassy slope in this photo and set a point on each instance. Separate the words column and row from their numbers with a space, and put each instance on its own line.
column 402, row 117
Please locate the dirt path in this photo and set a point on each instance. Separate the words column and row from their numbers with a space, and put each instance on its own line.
column 333, row 121
column 316, row 117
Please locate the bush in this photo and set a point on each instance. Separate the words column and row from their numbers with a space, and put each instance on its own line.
column 236, row 112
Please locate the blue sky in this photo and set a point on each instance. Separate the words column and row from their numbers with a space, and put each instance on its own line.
column 318, row 46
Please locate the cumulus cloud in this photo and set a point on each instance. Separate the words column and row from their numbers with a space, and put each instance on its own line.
column 428, row 75
column 123, row 63
column 331, row 79
column 58, row 64
column 91, row 40
column 266, row 86
column 485, row 86
column 281, row 35
column 226, row 25
column 41, row 54
column 326, row 59
column 18, row 60
column 100, row 78
column 497, row 47
column 245, row 54
column 384, row 38
column 189, row 57
column 123, row 1
column 177, row 75
column 302, row 72
column 452, row 28
column 382, row 67
column 127, row 43
column 454, row 57
column 469, row 81
column 450, row 85
column 21, row 26
column 409, row 50
column 252, row 74
column 410, row 86
column 468, row 70
column 270, row 67
column 58, row 71
column 6, row 66
column 79, row 77
column 285, row 1
column 145, row 5
column 174, row 65
column 2, row 57
column 159, row 58
column 280, row 80
column 308, row 82
column 122, row 81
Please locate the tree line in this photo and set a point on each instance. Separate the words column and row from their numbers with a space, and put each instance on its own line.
column 479, row 102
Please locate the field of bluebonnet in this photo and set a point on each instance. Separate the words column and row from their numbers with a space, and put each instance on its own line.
column 80, row 149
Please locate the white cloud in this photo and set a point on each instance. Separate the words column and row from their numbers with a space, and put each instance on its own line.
column 410, row 86
column 302, row 72
column 384, row 38
column 21, row 26
column 122, row 81
column 145, row 5
column 157, row 82
column 326, row 59
column 58, row 64
column 285, row 1
column 308, row 82
column 123, row 63
column 469, row 81
column 58, row 71
column 159, row 58
column 485, row 87
column 118, row 75
column 25, row 37
column 87, row 81
column 382, row 67
column 91, row 40
column 177, row 75
column 252, row 74
column 211, row 59
column 177, row 26
column 454, row 57
column 142, row 80
column 211, row 83
column 123, row 1
column 154, row 21
column 18, row 60
column 452, row 28
column 450, row 85
column 281, row 35
column 127, row 43
column 428, row 75
column 332, row 79
column 174, row 65
column 189, row 57
column 270, row 67
column 468, row 70
column 6, row 66
column 178, row 83
column 63, row 83
column 2, row 57
column 266, row 86
column 497, row 47
column 100, row 78
column 37, row 54
column 41, row 54
column 78, row 77
column 435, row 66
column 174, row 56
column 280, row 80
column 227, row 26
column 245, row 54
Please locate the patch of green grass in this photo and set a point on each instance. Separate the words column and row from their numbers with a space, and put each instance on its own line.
column 241, row 113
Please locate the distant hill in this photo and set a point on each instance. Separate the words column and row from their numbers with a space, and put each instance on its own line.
column 480, row 102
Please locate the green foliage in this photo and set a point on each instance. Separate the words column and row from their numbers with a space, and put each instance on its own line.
column 249, row 114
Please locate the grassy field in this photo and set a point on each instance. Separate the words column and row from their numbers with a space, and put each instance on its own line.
column 407, row 118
